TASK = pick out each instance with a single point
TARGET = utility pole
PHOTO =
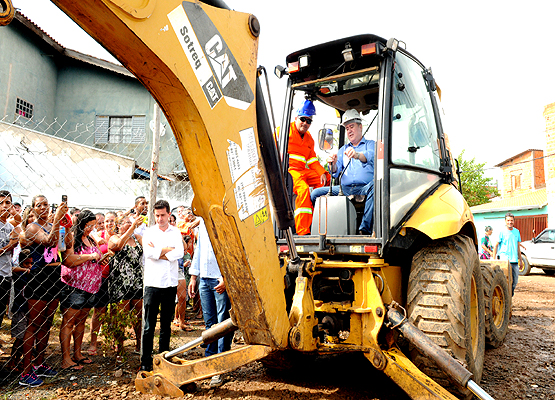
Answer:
(154, 164)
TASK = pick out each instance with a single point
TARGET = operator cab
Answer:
(397, 100)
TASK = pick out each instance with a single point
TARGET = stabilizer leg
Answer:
(167, 377)
(409, 378)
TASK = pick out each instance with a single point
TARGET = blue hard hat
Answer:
(307, 109)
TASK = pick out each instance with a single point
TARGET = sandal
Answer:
(84, 361)
(186, 328)
(74, 367)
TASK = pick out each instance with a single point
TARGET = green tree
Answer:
(476, 188)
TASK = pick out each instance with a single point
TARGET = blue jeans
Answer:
(514, 267)
(5, 287)
(155, 299)
(368, 190)
(215, 309)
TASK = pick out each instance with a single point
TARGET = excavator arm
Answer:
(199, 62)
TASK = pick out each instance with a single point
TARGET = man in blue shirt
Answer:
(213, 295)
(356, 158)
(508, 245)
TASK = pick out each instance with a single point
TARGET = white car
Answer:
(539, 252)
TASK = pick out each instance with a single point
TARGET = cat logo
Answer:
(221, 64)
(213, 63)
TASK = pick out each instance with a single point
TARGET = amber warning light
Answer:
(367, 49)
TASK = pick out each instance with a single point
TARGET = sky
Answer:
(493, 60)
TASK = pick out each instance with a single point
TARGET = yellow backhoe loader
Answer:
(410, 295)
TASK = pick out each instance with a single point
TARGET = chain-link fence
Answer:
(96, 167)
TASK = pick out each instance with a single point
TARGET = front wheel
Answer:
(548, 271)
(446, 301)
(524, 267)
(497, 301)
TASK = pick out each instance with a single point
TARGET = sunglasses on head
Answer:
(306, 119)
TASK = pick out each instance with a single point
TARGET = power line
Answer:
(518, 163)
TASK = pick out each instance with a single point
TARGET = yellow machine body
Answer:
(200, 64)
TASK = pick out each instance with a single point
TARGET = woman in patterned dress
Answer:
(126, 271)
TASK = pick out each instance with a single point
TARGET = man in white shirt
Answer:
(162, 247)
(213, 295)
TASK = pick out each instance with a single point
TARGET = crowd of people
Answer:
(76, 261)
(79, 261)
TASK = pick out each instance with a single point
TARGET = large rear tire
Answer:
(446, 301)
(524, 267)
(497, 304)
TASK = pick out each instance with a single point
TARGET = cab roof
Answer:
(325, 58)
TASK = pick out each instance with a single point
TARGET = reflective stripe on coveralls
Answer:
(303, 210)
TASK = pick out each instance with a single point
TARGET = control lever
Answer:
(341, 176)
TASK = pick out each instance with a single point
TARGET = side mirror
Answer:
(325, 139)
(420, 135)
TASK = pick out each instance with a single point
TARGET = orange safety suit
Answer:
(305, 171)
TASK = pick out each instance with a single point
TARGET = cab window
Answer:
(414, 133)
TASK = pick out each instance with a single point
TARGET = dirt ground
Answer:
(522, 368)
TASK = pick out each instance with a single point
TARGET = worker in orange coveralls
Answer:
(304, 167)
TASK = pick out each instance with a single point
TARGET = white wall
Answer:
(35, 163)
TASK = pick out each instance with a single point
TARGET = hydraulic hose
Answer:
(268, 150)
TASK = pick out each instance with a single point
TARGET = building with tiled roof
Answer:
(534, 200)
(522, 173)
(74, 124)
(59, 91)
(524, 194)
(530, 211)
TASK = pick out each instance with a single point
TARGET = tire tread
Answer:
(434, 297)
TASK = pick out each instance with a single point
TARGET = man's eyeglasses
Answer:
(306, 119)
